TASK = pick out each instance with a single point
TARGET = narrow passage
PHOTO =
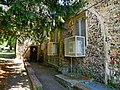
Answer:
(46, 75)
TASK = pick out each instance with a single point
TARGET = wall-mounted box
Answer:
(75, 46)
(52, 49)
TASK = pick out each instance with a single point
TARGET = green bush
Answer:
(113, 85)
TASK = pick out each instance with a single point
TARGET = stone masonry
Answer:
(102, 57)
(103, 34)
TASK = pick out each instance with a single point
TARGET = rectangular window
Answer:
(80, 28)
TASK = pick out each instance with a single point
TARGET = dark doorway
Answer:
(33, 53)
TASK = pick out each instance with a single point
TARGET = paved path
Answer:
(17, 78)
(46, 75)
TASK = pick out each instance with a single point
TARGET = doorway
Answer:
(33, 53)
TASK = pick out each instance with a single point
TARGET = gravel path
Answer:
(46, 75)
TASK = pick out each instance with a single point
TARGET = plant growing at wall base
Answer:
(79, 70)
(89, 75)
(38, 88)
(113, 85)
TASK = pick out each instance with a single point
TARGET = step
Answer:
(36, 84)
(80, 87)
(67, 81)
(76, 84)
(95, 86)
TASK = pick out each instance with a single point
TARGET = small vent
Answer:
(75, 46)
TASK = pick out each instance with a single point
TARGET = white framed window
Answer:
(80, 28)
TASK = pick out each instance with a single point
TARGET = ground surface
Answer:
(46, 75)
(13, 75)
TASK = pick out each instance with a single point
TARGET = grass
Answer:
(6, 54)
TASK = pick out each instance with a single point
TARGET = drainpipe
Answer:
(106, 48)
(106, 63)
(60, 50)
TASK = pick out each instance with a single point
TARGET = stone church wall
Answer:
(103, 35)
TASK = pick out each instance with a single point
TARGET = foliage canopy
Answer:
(32, 18)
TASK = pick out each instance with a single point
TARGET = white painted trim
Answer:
(79, 21)
(80, 30)
(86, 29)
(106, 46)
